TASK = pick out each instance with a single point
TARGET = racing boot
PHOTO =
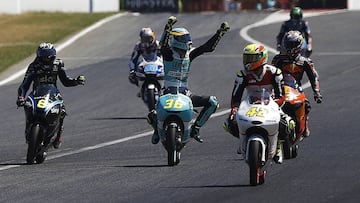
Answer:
(231, 128)
(210, 108)
(306, 132)
(278, 158)
(242, 147)
(152, 120)
(57, 142)
(195, 133)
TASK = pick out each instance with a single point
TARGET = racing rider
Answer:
(292, 62)
(296, 22)
(145, 47)
(44, 70)
(255, 76)
(178, 53)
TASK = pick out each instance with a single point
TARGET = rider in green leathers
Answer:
(178, 53)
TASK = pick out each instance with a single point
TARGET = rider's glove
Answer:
(309, 47)
(20, 101)
(224, 27)
(308, 52)
(171, 21)
(80, 80)
(132, 77)
(233, 113)
(317, 97)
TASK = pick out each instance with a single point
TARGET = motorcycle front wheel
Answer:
(171, 145)
(254, 155)
(151, 99)
(33, 144)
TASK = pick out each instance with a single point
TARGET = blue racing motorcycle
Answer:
(174, 113)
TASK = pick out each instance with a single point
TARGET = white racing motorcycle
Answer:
(150, 74)
(258, 120)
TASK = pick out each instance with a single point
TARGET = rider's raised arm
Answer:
(65, 79)
(211, 44)
(164, 40)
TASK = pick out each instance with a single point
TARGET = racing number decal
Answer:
(256, 111)
(171, 103)
(42, 104)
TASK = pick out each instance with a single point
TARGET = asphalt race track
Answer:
(107, 155)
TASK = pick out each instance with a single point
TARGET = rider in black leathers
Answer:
(44, 70)
(296, 22)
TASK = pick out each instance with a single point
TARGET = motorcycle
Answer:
(258, 120)
(291, 131)
(174, 113)
(43, 111)
(150, 74)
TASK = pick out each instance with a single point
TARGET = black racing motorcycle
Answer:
(43, 109)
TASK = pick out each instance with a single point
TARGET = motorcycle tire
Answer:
(151, 99)
(177, 158)
(171, 145)
(40, 158)
(254, 156)
(33, 144)
(288, 146)
(294, 151)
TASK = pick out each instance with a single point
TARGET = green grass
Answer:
(21, 34)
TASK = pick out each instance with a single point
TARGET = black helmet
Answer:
(296, 13)
(293, 43)
(46, 53)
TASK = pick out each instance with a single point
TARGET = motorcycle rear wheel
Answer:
(288, 146)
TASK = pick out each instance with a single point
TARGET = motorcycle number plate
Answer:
(42, 104)
(151, 68)
(256, 112)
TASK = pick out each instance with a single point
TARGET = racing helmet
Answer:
(296, 13)
(293, 43)
(46, 53)
(180, 38)
(147, 36)
(254, 56)
(147, 39)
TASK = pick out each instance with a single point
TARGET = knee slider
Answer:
(213, 102)
(62, 113)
